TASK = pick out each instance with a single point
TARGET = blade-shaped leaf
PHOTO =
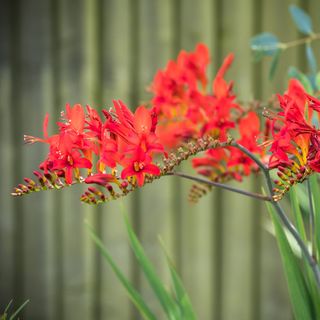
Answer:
(16, 313)
(186, 308)
(274, 63)
(301, 19)
(167, 302)
(133, 294)
(318, 81)
(316, 200)
(297, 214)
(265, 43)
(312, 62)
(299, 296)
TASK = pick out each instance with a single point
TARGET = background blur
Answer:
(93, 51)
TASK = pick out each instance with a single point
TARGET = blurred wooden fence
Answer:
(93, 51)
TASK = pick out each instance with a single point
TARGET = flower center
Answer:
(138, 166)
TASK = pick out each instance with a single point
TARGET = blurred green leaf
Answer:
(295, 73)
(301, 19)
(316, 200)
(297, 214)
(299, 296)
(133, 294)
(265, 44)
(165, 299)
(312, 62)
(274, 64)
(16, 313)
(185, 305)
(318, 81)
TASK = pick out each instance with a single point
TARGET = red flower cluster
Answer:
(295, 140)
(186, 111)
(123, 138)
(128, 142)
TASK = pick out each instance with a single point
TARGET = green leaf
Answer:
(297, 214)
(167, 302)
(184, 302)
(15, 314)
(318, 81)
(301, 19)
(133, 294)
(312, 62)
(274, 64)
(266, 44)
(299, 296)
(295, 73)
(6, 310)
(316, 200)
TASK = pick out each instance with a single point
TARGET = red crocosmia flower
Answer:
(101, 178)
(195, 64)
(135, 130)
(71, 162)
(30, 139)
(94, 123)
(138, 166)
(109, 153)
(74, 119)
(295, 139)
(220, 87)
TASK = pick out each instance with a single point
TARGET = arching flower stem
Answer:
(222, 186)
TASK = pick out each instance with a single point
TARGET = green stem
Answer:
(285, 220)
(298, 42)
(222, 186)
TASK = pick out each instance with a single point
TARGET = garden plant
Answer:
(190, 119)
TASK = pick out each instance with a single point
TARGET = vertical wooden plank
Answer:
(6, 161)
(55, 269)
(274, 292)
(258, 207)
(35, 94)
(196, 220)
(156, 214)
(76, 281)
(236, 276)
(114, 302)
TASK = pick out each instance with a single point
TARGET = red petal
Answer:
(152, 169)
(142, 120)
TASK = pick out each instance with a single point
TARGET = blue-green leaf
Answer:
(265, 44)
(301, 19)
(274, 63)
(312, 62)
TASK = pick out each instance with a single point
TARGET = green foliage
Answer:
(274, 64)
(311, 59)
(316, 200)
(301, 19)
(264, 44)
(299, 295)
(14, 315)
(176, 304)
(303, 290)
(267, 44)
